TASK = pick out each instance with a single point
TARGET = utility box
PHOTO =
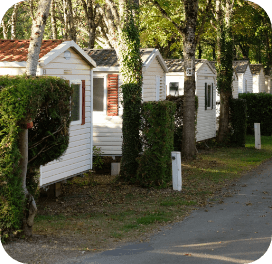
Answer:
(115, 168)
(257, 132)
(176, 170)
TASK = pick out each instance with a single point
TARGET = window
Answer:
(98, 94)
(246, 86)
(76, 108)
(174, 88)
(208, 96)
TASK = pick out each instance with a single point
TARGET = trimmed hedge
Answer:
(259, 110)
(178, 115)
(238, 121)
(157, 128)
(47, 101)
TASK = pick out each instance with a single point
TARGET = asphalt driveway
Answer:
(235, 229)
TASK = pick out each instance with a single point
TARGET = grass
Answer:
(109, 211)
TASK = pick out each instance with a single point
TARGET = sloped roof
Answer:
(234, 65)
(108, 57)
(256, 68)
(13, 53)
(240, 65)
(177, 65)
(17, 50)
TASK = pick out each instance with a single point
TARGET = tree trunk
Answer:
(37, 31)
(31, 69)
(189, 47)
(72, 29)
(5, 30)
(224, 65)
(13, 21)
(53, 20)
(65, 17)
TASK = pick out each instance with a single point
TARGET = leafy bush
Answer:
(238, 121)
(157, 128)
(178, 130)
(259, 110)
(47, 101)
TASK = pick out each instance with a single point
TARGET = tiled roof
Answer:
(239, 66)
(108, 57)
(177, 65)
(17, 50)
(255, 68)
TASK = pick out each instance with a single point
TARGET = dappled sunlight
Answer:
(190, 250)
(207, 256)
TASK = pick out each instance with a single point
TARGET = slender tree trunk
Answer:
(37, 31)
(5, 30)
(224, 64)
(72, 29)
(189, 47)
(13, 20)
(53, 20)
(65, 17)
(31, 69)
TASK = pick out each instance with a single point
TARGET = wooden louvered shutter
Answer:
(112, 98)
(212, 97)
(83, 102)
(206, 90)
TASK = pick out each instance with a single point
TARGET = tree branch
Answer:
(165, 15)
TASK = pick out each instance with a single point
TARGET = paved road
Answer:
(237, 230)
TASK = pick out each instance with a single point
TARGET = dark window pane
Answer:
(174, 86)
(75, 114)
(209, 95)
(98, 94)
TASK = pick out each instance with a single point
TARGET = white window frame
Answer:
(209, 84)
(103, 76)
(77, 81)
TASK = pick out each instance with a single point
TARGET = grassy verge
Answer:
(97, 211)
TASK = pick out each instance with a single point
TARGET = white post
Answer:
(257, 132)
(176, 170)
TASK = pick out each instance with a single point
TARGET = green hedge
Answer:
(178, 100)
(157, 133)
(47, 101)
(259, 110)
(238, 121)
(131, 145)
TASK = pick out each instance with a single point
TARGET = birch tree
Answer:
(31, 68)
(53, 20)
(14, 21)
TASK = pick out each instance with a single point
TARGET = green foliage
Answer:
(157, 129)
(131, 69)
(238, 121)
(97, 158)
(178, 100)
(259, 110)
(131, 145)
(47, 101)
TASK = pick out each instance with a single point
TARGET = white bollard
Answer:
(176, 170)
(257, 132)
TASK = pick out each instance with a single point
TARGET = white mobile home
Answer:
(107, 107)
(258, 77)
(245, 78)
(205, 90)
(67, 60)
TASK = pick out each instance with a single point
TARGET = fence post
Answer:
(176, 170)
(257, 132)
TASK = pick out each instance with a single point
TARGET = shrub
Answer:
(157, 128)
(259, 110)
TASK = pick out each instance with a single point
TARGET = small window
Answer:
(76, 102)
(174, 88)
(98, 94)
(208, 96)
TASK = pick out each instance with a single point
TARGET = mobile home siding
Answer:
(77, 157)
